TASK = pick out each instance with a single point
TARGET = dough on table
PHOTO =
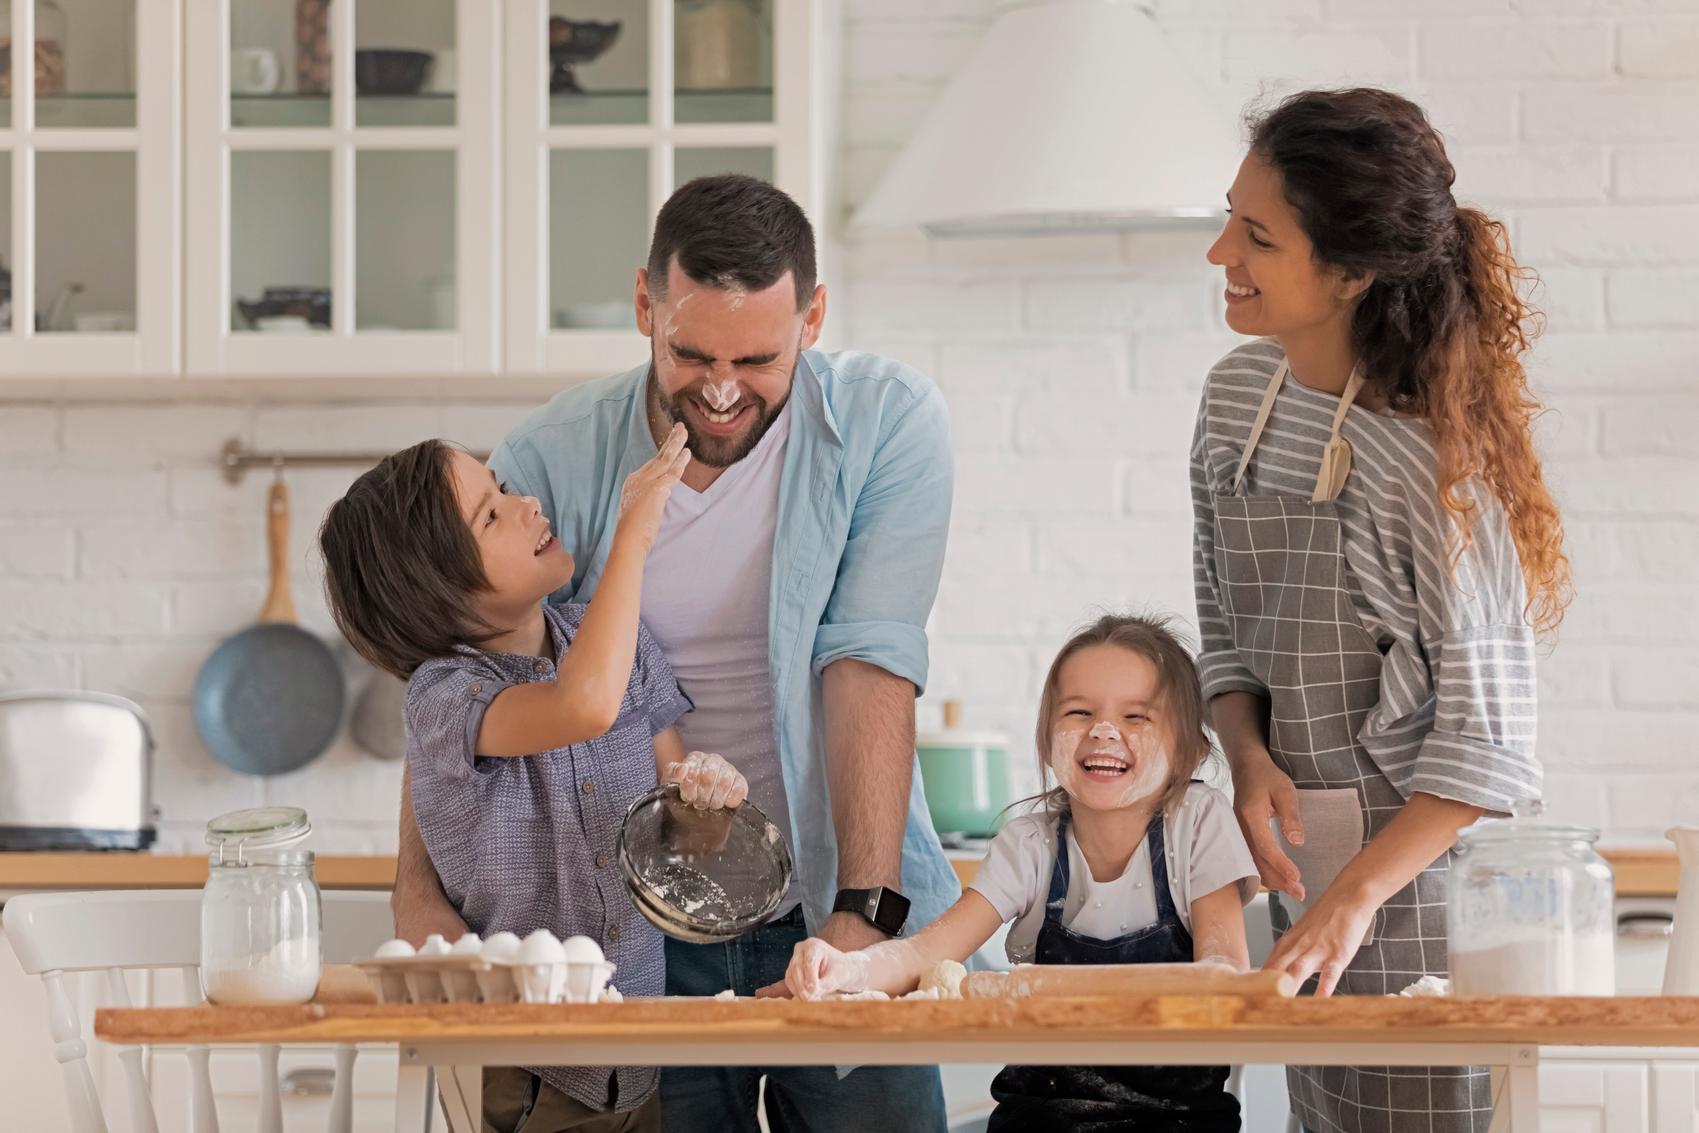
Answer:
(943, 980)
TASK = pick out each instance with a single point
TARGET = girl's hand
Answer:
(1324, 940)
(643, 500)
(817, 970)
(1262, 791)
(708, 782)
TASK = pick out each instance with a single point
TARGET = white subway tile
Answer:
(1633, 614)
(1576, 677)
(1572, 299)
(216, 608)
(62, 610)
(1494, 177)
(42, 549)
(1083, 365)
(982, 423)
(197, 431)
(377, 428)
(1620, 363)
(1518, 50)
(162, 669)
(1655, 172)
(1586, 112)
(928, 309)
(1144, 423)
(1630, 740)
(1627, 486)
(1036, 487)
(1321, 55)
(38, 665)
(1619, 234)
(1092, 305)
(53, 489)
(1659, 679)
(1653, 297)
(1576, 798)
(27, 430)
(1658, 49)
(1665, 426)
(887, 114)
(908, 51)
(171, 549)
(345, 784)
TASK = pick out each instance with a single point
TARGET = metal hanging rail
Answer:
(236, 459)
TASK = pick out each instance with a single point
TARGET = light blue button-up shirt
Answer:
(864, 509)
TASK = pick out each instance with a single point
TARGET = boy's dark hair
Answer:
(401, 566)
(733, 231)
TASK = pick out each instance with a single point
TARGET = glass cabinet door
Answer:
(88, 154)
(612, 104)
(352, 147)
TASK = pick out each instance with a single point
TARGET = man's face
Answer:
(723, 357)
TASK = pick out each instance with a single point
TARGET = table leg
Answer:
(463, 1097)
(413, 1101)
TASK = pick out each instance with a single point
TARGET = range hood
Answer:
(1072, 116)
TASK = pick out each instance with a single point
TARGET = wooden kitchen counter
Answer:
(713, 1024)
(23, 873)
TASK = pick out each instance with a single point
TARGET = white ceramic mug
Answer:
(254, 70)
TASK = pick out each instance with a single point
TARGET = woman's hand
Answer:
(643, 499)
(708, 781)
(817, 970)
(1325, 939)
(1262, 791)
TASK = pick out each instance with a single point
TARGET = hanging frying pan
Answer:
(269, 699)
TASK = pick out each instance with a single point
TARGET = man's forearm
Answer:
(418, 903)
(869, 728)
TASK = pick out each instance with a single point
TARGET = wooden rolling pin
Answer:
(1125, 980)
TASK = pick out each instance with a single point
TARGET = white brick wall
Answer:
(1072, 367)
(1576, 121)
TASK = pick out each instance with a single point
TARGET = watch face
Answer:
(892, 910)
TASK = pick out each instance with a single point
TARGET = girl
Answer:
(1125, 861)
(1375, 549)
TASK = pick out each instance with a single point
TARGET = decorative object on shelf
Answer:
(614, 315)
(58, 316)
(5, 296)
(1681, 969)
(51, 35)
(312, 46)
(254, 70)
(309, 303)
(391, 70)
(572, 42)
(444, 72)
(721, 44)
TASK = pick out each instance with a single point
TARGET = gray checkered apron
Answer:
(1283, 591)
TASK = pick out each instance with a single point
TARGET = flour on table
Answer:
(1428, 987)
(726, 996)
(865, 995)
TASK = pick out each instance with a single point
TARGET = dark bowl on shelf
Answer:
(388, 70)
(572, 42)
(310, 303)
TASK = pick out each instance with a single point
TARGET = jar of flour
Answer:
(1530, 910)
(260, 909)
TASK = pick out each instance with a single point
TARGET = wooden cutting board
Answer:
(1071, 981)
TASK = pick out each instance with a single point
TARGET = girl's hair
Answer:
(1179, 691)
(1440, 331)
(401, 566)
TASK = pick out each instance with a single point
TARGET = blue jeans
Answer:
(800, 1099)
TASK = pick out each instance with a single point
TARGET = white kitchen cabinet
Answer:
(378, 210)
(688, 88)
(90, 148)
(1586, 1090)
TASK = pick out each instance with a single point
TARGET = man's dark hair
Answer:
(401, 566)
(733, 231)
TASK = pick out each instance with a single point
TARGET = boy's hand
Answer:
(708, 782)
(643, 500)
(817, 970)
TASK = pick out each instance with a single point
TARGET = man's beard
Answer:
(715, 452)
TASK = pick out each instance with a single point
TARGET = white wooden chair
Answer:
(55, 934)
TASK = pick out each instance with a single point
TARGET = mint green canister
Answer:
(966, 776)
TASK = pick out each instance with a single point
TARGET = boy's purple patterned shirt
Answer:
(529, 842)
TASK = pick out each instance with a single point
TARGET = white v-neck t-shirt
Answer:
(1203, 847)
(705, 600)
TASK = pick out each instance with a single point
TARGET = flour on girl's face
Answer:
(1147, 761)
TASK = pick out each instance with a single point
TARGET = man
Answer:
(789, 586)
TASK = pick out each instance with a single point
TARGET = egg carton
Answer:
(473, 979)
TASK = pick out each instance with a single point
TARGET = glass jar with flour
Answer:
(260, 910)
(1530, 910)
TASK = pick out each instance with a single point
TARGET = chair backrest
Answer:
(56, 933)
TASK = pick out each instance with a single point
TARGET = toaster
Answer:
(74, 772)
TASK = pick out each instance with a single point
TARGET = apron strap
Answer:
(1336, 454)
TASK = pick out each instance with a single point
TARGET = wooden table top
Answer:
(1648, 1022)
(1639, 873)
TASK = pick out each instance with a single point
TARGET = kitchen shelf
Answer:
(597, 108)
(24, 872)
(691, 107)
(271, 111)
(113, 110)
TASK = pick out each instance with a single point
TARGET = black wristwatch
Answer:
(884, 908)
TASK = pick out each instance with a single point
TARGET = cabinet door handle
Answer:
(1645, 926)
(310, 1082)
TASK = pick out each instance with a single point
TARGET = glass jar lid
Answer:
(1525, 824)
(241, 832)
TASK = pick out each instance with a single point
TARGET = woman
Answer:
(1376, 551)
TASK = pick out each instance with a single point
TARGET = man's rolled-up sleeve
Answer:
(888, 574)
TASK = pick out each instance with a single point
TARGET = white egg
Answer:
(582, 950)
(390, 949)
(468, 945)
(434, 945)
(541, 947)
(501, 948)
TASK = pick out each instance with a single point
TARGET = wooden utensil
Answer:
(1063, 980)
